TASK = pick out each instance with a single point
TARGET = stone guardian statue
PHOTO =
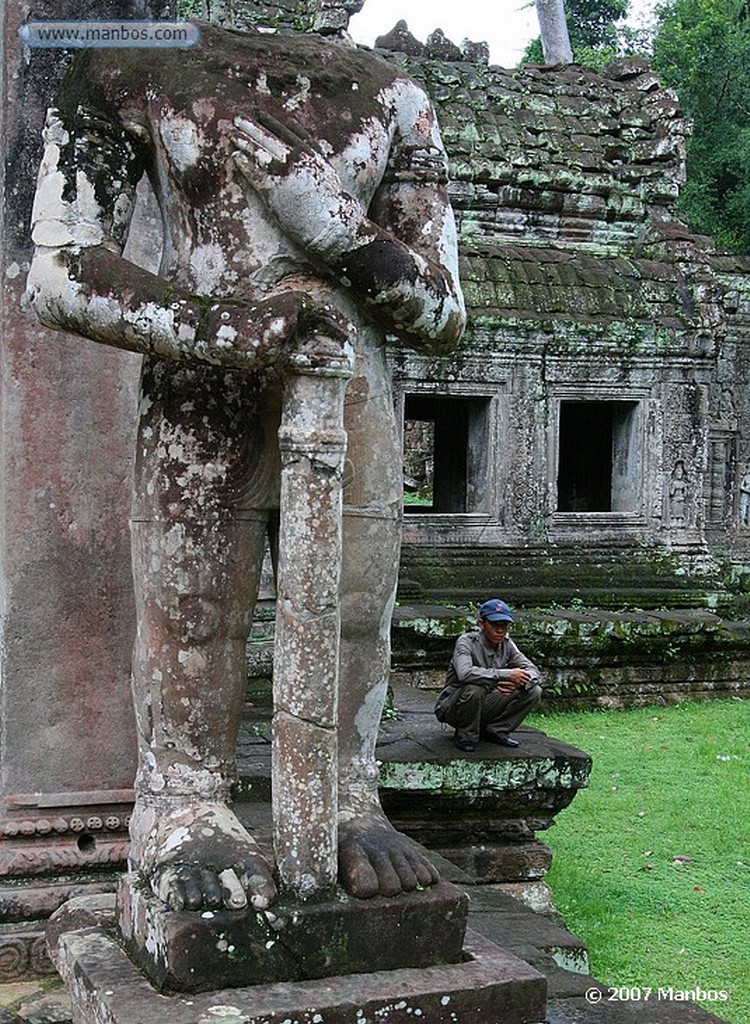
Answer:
(302, 187)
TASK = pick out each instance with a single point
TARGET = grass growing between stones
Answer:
(652, 863)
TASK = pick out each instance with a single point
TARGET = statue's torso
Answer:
(219, 238)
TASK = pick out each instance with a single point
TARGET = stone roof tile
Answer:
(541, 282)
(609, 146)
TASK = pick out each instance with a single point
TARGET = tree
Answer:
(701, 50)
(554, 31)
(594, 30)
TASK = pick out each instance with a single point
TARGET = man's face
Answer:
(301, 15)
(494, 632)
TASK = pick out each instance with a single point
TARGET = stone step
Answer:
(506, 921)
(481, 809)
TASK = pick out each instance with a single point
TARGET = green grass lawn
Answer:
(652, 862)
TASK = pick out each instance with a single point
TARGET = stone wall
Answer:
(67, 427)
(593, 658)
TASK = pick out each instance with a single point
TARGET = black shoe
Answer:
(507, 741)
(467, 746)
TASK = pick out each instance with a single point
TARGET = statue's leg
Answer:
(197, 553)
(373, 857)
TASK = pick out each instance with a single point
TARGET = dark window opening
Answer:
(599, 466)
(445, 454)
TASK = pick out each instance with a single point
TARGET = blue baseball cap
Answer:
(495, 610)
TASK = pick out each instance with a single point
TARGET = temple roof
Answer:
(564, 182)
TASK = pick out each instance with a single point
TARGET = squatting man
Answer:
(302, 187)
(491, 685)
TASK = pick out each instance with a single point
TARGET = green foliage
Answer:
(701, 50)
(191, 9)
(651, 865)
(592, 24)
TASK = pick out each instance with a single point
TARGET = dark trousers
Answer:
(474, 710)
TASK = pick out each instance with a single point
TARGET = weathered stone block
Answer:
(490, 985)
(501, 862)
(188, 951)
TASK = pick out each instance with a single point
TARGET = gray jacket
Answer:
(476, 661)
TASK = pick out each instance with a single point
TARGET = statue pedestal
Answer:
(187, 951)
(487, 985)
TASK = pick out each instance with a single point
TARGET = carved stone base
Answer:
(192, 952)
(25, 905)
(489, 985)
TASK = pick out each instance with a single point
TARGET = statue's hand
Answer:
(253, 335)
(299, 186)
(273, 331)
(269, 150)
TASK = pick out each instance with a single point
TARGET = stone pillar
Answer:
(67, 427)
(312, 441)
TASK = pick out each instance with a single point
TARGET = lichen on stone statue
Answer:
(302, 188)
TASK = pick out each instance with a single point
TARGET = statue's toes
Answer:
(427, 874)
(257, 882)
(389, 882)
(233, 893)
(404, 871)
(191, 887)
(213, 896)
(186, 887)
(412, 870)
(382, 863)
(357, 873)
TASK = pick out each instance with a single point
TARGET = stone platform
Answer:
(538, 939)
(290, 942)
(593, 657)
(482, 810)
(491, 835)
(490, 985)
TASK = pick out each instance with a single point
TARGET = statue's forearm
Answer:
(102, 296)
(412, 297)
(413, 293)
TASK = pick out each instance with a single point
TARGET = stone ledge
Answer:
(490, 985)
(189, 952)
(592, 657)
(525, 934)
(489, 804)
(579, 1010)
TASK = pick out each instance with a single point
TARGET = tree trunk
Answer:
(554, 30)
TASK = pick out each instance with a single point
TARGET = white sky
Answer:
(507, 25)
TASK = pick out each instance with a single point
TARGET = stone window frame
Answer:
(495, 394)
(643, 398)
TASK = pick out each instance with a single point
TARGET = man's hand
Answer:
(519, 677)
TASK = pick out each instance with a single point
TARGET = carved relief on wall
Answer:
(678, 494)
(720, 479)
(45, 833)
(24, 956)
(744, 502)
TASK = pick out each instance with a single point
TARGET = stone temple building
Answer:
(590, 438)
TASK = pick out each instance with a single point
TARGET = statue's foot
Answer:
(376, 860)
(198, 856)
